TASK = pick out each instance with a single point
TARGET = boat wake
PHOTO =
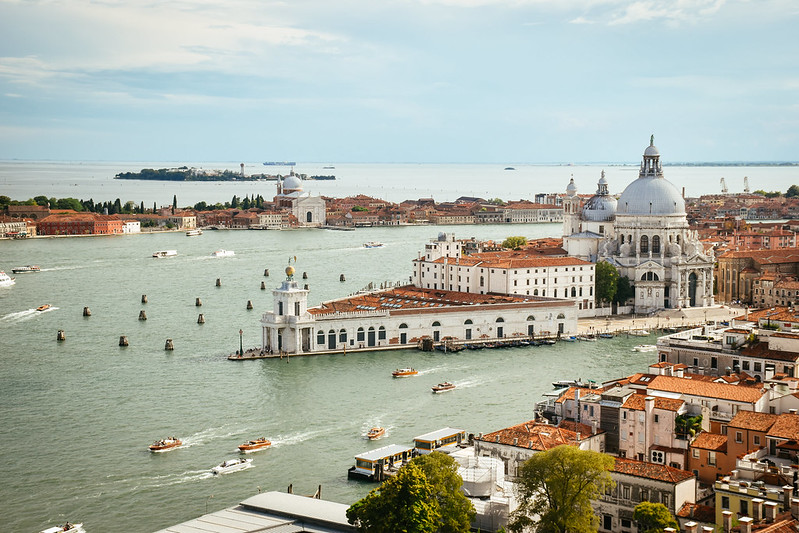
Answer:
(467, 384)
(210, 434)
(430, 370)
(151, 482)
(21, 316)
(295, 438)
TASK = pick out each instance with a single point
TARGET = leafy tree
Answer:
(607, 281)
(685, 425)
(40, 200)
(245, 204)
(514, 242)
(155, 209)
(117, 206)
(68, 203)
(624, 290)
(234, 203)
(793, 191)
(404, 503)
(5, 201)
(557, 486)
(359, 208)
(201, 206)
(141, 207)
(653, 517)
(496, 201)
(174, 203)
(441, 472)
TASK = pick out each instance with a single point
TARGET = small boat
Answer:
(509, 168)
(6, 280)
(44, 307)
(373, 244)
(563, 383)
(375, 433)
(570, 338)
(164, 445)
(66, 528)
(255, 445)
(547, 342)
(586, 338)
(639, 332)
(443, 387)
(404, 372)
(194, 232)
(232, 465)
(606, 335)
(27, 269)
(223, 253)
(645, 348)
(165, 253)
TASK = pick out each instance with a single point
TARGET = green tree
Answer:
(234, 203)
(359, 208)
(441, 472)
(155, 209)
(607, 281)
(653, 517)
(40, 200)
(624, 291)
(174, 203)
(514, 242)
(792, 191)
(201, 206)
(404, 503)
(557, 486)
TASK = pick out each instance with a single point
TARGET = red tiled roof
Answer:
(752, 420)
(786, 427)
(706, 389)
(638, 402)
(710, 441)
(534, 436)
(761, 349)
(651, 471)
(698, 512)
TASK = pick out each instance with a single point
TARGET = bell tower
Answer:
(571, 210)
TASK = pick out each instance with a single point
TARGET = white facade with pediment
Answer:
(644, 233)
(309, 210)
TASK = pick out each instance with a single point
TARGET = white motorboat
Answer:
(6, 280)
(165, 253)
(27, 269)
(232, 465)
(373, 244)
(645, 348)
(223, 253)
(66, 528)
(194, 232)
(639, 332)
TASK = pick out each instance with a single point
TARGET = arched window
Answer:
(403, 326)
(622, 238)
(381, 333)
(574, 292)
(656, 244)
(644, 244)
(436, 324)
(482, 281)
(308, 217)
(561, 315)
(500, 319)
(361, 336)
(320, 337)
(531, 318)
(535, 292)
(468, 321)
(342, 335)
(555, 295)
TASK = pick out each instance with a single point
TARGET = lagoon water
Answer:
(78, 415)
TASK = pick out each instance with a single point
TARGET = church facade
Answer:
(308, 210)
(645, 235)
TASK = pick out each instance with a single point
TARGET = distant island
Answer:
(195, 174)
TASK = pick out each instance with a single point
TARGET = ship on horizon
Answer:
(280, 163)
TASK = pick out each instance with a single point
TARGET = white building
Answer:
(645, 235)
(444, 266)
(131, 226)
(309, 210)
(402, 316)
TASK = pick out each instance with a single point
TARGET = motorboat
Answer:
(579, 382)
(586, 338)
(163, 445)
(375, 433)
(194, 232)
(373, 244)
(569, 338)
(232, 465)
(27, 269)
(547, 342)
(404, 372)
(223, 253)
(255, 445)
(645, 348)
(639, 332)
(6, 280)
(44, 307)
(165, 253)
(66, 528)
(443, 387)
(606, 335)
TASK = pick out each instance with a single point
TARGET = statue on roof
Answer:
(652, 140)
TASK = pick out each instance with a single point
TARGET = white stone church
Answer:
(645, 235)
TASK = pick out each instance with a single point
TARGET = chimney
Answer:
(769, 373)
(771, 511)
(746, 524)
(593, 427)
(787, 496)
(708, 529)
(726, 520)
(757, 509)
(792, 411)
(679, 372)
(795, 508)
(579, 437)
(690, 527)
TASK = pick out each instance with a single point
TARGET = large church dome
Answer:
(651, 193)
(292, 183)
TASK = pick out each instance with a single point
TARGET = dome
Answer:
(292, 183)
(651, 196)
(600, 208)
(651, 150)
(571, 188)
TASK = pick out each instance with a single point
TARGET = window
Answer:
(738, 437)
(626, 492)
(624, 415)
(320, 337)
(744, 508)
(361, 336)
(756, 440)
(711, 458)
(381, 333)
(695, 453)
(625, 523)
(644, 244)
(656, 244)
(725, 502)
(342, 335)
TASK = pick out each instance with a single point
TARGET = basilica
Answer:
(644, 234)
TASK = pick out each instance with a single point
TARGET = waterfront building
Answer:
(74, 223)
(444, 265)
(526, 212)
(308, 210)
(16, 227)
(401, 317)
(645, 235)
(183, 220)
(131, 226)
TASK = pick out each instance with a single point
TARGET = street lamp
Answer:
(206, 503)
(241, 343)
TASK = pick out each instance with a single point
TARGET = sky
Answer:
(450, 81)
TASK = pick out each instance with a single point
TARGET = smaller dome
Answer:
(600, 208)
(651, 150)
(571, 188)
(292, 183)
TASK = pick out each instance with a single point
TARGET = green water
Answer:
(78, 415)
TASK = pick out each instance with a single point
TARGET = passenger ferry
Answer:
(27, 269)
(377, 464)
(444, 440)
(645, 348)
(443, 387)
(223, 253)
(164, 445)
(165, 253)
(375, 433)
(194, 232)
(6, 280)
(404, 372)
(255, 445)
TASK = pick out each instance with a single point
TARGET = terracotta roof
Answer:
(710, 441)
(569, 394)
(786, 427)
(761, 349)
(698, 512)
(533, 436)
(577, 427)
(651, 471)
(706, 389)
(752, 420)
(638, 403)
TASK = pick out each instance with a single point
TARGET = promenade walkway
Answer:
(667, 318)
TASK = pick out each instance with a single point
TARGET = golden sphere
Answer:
(290, 270)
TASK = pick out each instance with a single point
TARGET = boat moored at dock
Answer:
(255, 445)
(165, 253)
(377, 464)
(639, 332)
(444, 440)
